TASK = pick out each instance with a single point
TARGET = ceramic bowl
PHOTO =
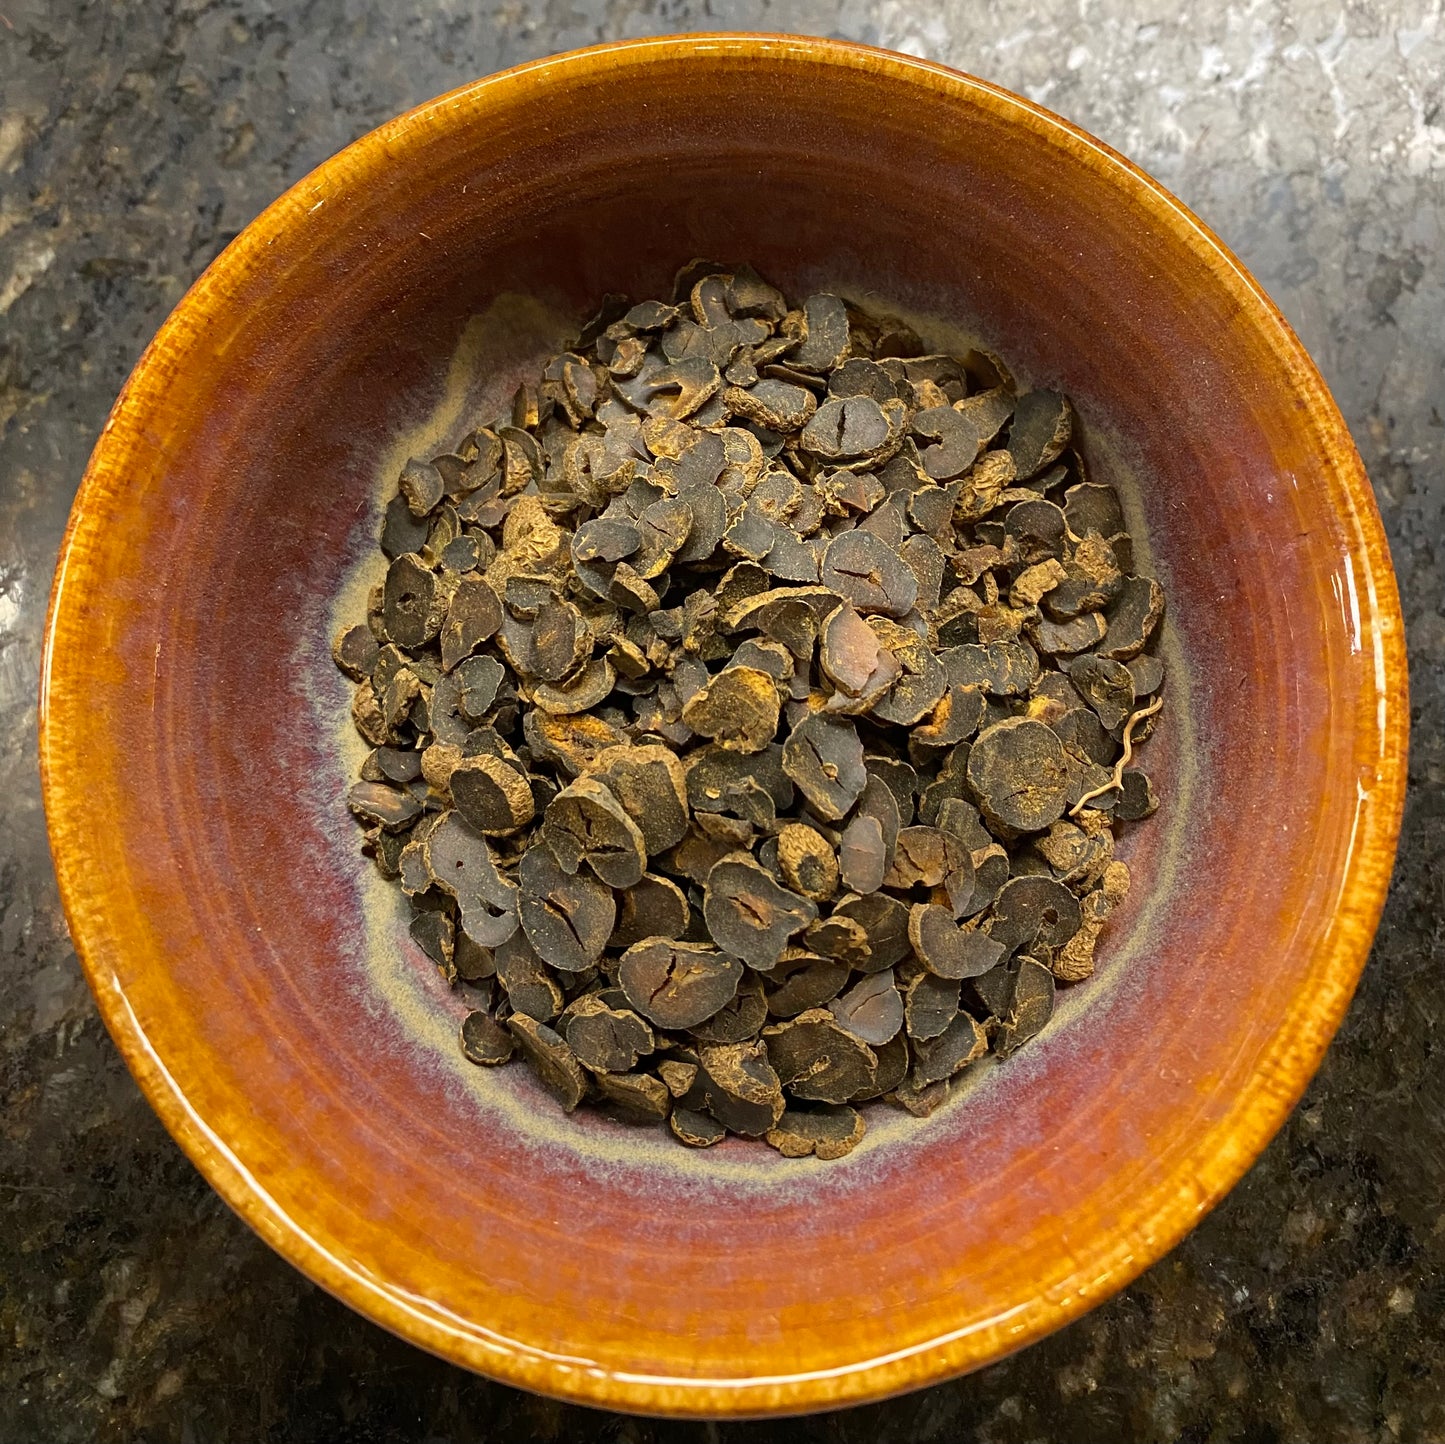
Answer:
(257, 975)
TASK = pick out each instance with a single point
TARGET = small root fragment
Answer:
(1117, 780)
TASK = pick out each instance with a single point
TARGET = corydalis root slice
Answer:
(749, 914)
(551, 1059)
(738, 709)
(828, 1134)
(824, 758)
(677, 985)
(818, 1059)
(567, 919)
(947, 950)
(585, 823)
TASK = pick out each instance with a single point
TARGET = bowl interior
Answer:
(197, 745)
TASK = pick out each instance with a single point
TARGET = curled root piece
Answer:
(1117, 780)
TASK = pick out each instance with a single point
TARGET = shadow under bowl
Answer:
(257, 976)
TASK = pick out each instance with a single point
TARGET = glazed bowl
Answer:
(258, 977)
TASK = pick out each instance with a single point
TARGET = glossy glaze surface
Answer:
(210, 877)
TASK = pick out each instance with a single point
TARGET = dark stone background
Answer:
(137, 139)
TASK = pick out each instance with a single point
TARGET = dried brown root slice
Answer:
(930, 1004)
(695, 1129)
(552, 1060)
(435, 934)
(839, 937)
(740, 1087)
(422, 486)
(529, 987)
(665, 526)
(849, 428)
(605, 1039)
(775, 404)
(493, 796)
(678, 1076)
(354, 651)
(474, 961)
(749, 914)
(654, 907)
(459, 862)
(1075, 960)
(1034, 582)
(583, 692)
(828, 1134)
(893, 1064)
(872, 1009)
(1073, 855)
(677, 985)
(605, 539)
(721, 781)
(802, 980)
(947, 950)
(955, 443)
(825, 334)
(818, 1059)
(1033, 1006)
(486, 1041)
(1107, 686)
(738, 709)
(560, 640)
(863, 569)
(1037, 914)
(474, 613)
(848, 651)
(567, 919)
(1018, 774)
(1043, 422)
(585, 823)
(738, 1019)
(1092, 579)
(415, 604)
(1132, 618)
(790, 615)
(572, 743)
(392, 764)
(921, 683)
(884, 921)
(957, 715)
(922, 1100)
(1136, 797)
(863, 854)
(649, 782)
(854, 659)
(824, 758)
(367, 715)
(1078, 634)
(1002, 669)
(633, 1097)
(1147, 672)
(919, 859)
(808, 863)
(390, 808)
(964, 1041)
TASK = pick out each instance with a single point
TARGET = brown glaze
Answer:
(195, 795)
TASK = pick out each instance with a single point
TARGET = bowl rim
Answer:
(1169, 1212)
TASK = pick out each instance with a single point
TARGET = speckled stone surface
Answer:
(136, 140)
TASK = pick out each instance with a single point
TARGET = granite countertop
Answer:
(135, 141)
